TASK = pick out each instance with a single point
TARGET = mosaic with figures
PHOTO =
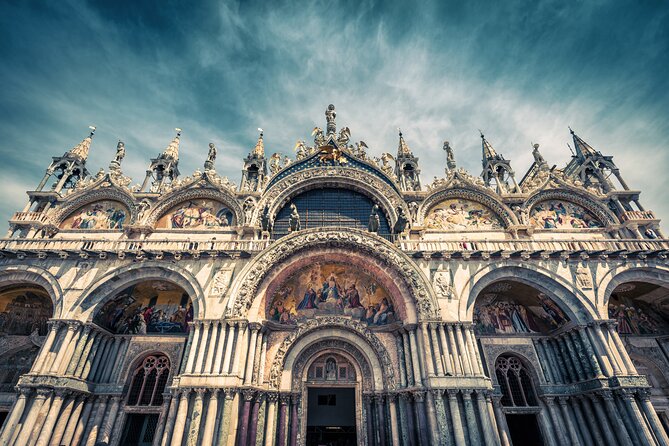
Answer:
(509, 307)
(331, 289)
(148, 307)
(98, 215)
(24, 311)
(458, 214)
(639, 309)
(556, 214)
(197, 214)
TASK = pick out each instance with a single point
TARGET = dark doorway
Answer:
(331, 417)
(524, 429)
(139, 429)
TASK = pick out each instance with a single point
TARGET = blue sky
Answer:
(521, 71)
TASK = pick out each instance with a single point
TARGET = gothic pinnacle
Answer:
(81, 150)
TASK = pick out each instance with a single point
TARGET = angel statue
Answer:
(294, 219)
(274, 163)
(374, 221)
(360, 149)
(211, 157)
(301, 150)
(266, 220)
(538, 158)
(450, 157)
(387, 168)
(319, 138)
(120, 154)
(344, 136)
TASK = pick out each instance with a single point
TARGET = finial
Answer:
(330, 117)
(570, 130)
(399, 130)
(482, 135)
(92, 127)
(261, 131)
(178, 130)
(259, 149)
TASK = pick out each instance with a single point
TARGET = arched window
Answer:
(515, 382)
(148, 381)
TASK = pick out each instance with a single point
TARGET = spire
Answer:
(583, 149)
(402, 147)
(172, 150)
(488, 151)
(81, 150)
(259, 149)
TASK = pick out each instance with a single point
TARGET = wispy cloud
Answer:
(520, 72)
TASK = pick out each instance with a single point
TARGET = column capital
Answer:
(242, 324)
(73, 325)
(24, 391)
(410, 327)
(255, 326)
(272, 397)
(103, 398)
(644, 394)
(200, 391)
(627, 394)
(549, 400)
(43, 393)
(607, 395)
(248, 394)
(379, 397)
(229, 393)
(284, 399)
(452, 393)
(295, 398)
(391, 397)
(562, 400)
(437, 393)
(54, 324)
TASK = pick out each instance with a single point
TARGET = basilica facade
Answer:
(334, 298)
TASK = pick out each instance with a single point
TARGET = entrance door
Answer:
(331, 416)
(139, 429)
(524, 429)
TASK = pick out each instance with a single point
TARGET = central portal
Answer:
(331, 416)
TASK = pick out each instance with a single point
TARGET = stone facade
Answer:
(181, 315)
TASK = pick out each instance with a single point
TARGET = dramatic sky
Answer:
(521, 71)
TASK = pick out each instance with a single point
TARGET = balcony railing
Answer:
(28, 217)
(638, 215)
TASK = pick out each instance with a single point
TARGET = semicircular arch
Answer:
(116, 280)
(501, 210)
(571, 300)
(604, 215)
(179, 196)
(245, 290)
(658, 275)
(76, 202)
(280, 194)
(32, 275)
(343, 330)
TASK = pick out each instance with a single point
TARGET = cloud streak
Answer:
(520, 72)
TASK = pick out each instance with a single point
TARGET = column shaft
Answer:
(196, 415)
(456, 418)
(14, 417)
(192, 353)
(219, 347)
(414, 358)
(202, 348)
(210, 420)
(180, 422)
(653, 420)
(454, 351)
(250, 358)
(445, 356)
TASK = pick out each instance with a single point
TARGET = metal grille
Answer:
(330, 207)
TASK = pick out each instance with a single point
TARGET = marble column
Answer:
(220, 347)
(109, 423)
(557, 371)
(502, 426)
(210, 420)
(391, 400)
(475, 357)
(628, 419)
(243, 428)
(419, 408)
(196, 418)
(209, 364)
(497, 425)
(29, 422)
(68, 424)
(599, 350)
(112, 360)
(593, 359)
(240, 348)
(15, 416)
(581, 372)
(448, 364)
(263, 357)
(253, 428)
(125, 343)
(622, 352)
(103, 363)
(270, 426)
(653, 420)
(456, 418)
(583, 358)
(558, 427)
(202, 348)
(414, 356)
(162, 419)
(566, 416)
(294, 419)
(78, 351)
(255, 367)
(487, 428)
(284, 400)
(436, 351)
(640, 427)
(232, 331)
(463, 351)
(605, 347)
(454, 351)
(432, 419)
(194, 347)
(369, 419)
(171, 418)
(400, 359)
(224, 428)
(82, 421)
(567, 360)
(84, 364)
(602, 420)
(582, 423)
(91, 438)
(614, 417)
(97, 352)
(407, 358)
(40, 364)
(470, 416)
(51, 418)
(233, 422)
(546, 426)
(72, 327)
(543, 359)
(427, 351)
(250, 358)
(180, 422)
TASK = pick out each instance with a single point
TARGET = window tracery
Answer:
(149, 381)
(515, 382)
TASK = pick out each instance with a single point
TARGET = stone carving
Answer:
(558, 214)
(374, 221)
(402, 221)
(601, 214)
(211, 157)
(350, 238)
(442, 284)
(458, 214)
(266, 220)
(249, 207)
(221, 282)
(583, 278)
(335, 322)
(226, 197)
(99, 215)
(294, 219)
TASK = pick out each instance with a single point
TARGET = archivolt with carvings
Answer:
(604, 215)
(78, 201)
(342, 177)
(360, 241)
(350, 325)
(172, 200)
(503, 212)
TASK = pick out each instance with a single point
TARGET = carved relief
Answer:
(221, 282)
